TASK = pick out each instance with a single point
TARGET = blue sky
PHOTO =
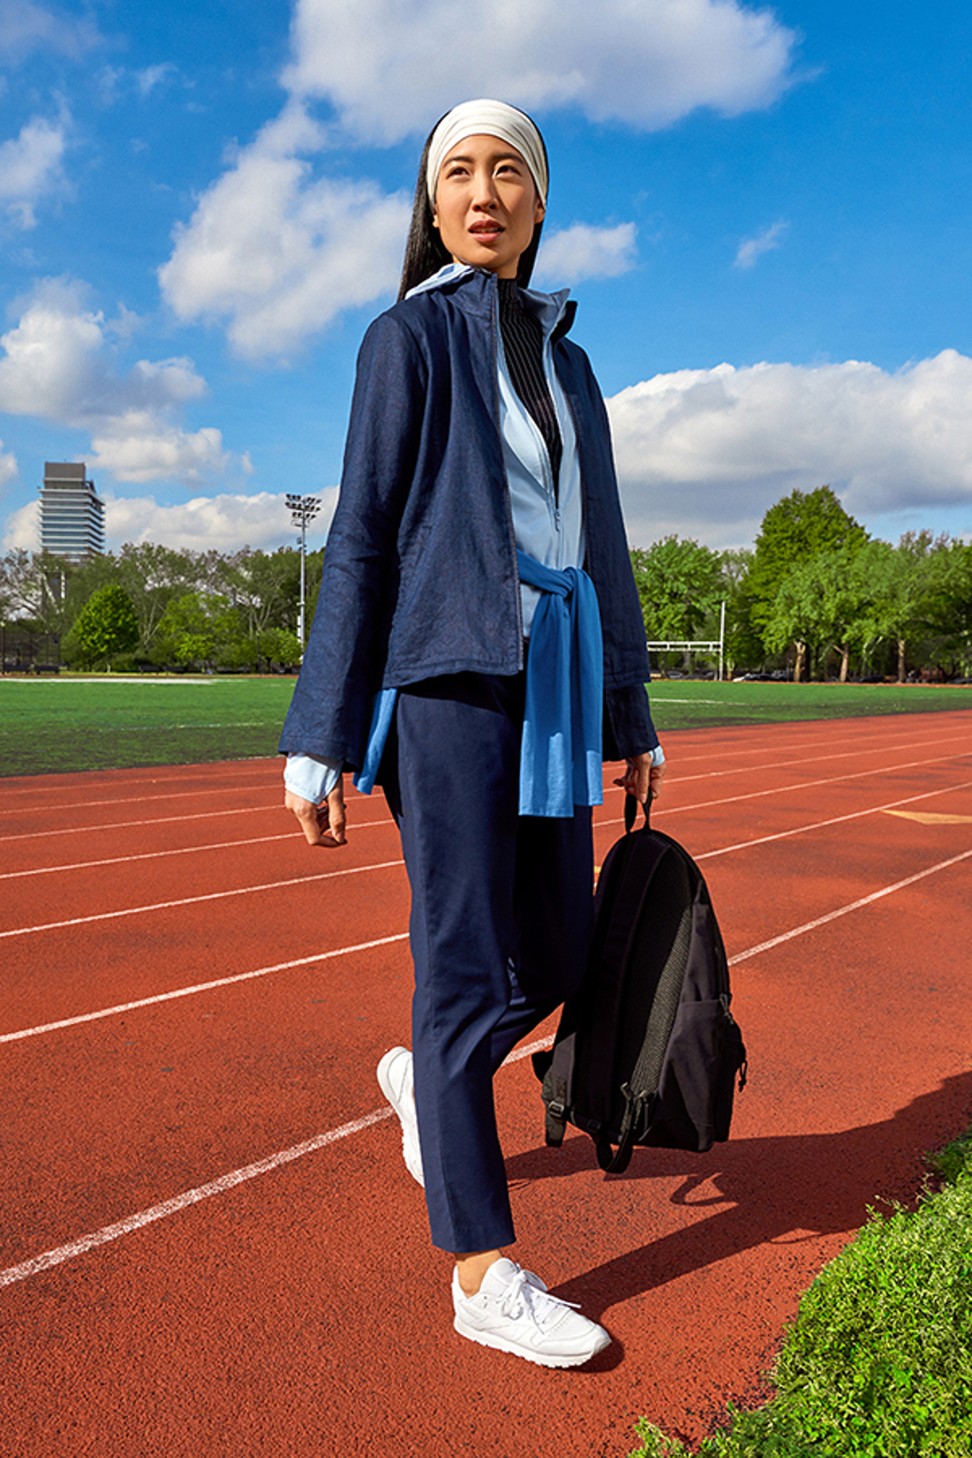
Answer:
(763, 212)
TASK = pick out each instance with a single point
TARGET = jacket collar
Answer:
(474, 290)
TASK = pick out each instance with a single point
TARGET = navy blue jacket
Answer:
(420, 574)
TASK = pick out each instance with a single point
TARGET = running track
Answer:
(210, 1245)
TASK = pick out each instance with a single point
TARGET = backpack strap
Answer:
(631, 803)
(556, 1091)
(616, 1161)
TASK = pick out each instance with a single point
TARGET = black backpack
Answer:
(647, 1051)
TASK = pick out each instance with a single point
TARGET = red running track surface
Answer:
(210, 1244)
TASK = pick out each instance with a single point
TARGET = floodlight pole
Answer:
(302, 510)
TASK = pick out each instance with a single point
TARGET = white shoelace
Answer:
(526, 1292)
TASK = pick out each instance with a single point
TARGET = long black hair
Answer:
(425, 253)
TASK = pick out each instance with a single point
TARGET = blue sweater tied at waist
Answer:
(560, 755)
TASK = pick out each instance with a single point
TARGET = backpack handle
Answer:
(631, 806)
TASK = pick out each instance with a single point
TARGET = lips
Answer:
(489, 230)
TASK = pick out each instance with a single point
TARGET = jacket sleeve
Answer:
(330, 713)
(628, 727)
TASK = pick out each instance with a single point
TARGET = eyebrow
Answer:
(494, 157)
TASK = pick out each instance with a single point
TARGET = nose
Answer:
(484, 189)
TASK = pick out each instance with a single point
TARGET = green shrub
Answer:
(878, 1363)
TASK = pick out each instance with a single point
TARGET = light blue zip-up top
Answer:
(547, 525)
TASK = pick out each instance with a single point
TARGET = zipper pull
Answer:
(557, 517)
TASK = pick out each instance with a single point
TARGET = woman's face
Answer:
(486, 204)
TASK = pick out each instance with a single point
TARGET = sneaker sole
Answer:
(541, 1359)
(414, 1168)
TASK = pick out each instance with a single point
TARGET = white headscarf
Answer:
(490, 119)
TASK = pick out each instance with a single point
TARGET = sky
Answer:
(764, 212)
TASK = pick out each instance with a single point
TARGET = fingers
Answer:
(321, 824)
(336, 815)
(641, 778)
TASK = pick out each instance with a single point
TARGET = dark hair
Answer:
(425, 253)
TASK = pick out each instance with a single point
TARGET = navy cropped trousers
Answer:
(501, 922)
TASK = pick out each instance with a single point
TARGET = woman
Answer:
(460, 656)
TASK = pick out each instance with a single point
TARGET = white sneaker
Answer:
(513, 1311)
(395, 1081)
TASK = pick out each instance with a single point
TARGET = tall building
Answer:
(72, 515)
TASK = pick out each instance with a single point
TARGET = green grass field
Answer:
(77, 723)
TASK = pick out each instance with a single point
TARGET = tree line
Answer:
(149, 607)
(814, 596)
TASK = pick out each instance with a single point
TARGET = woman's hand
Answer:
(322, 824)
(642, 778)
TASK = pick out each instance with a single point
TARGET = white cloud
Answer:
(26, 26)
(152, 76)
(60, 363)
(586, 252)
(706, 452)
(753, 248)
(136, 448)
(279, 253)
(225, 522)
(390, 69)
(30, 166)
(115, 83)
(8, 466)
(22, 529)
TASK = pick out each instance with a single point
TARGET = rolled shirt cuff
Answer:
(311, 776)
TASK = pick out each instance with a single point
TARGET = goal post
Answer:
(696, 645)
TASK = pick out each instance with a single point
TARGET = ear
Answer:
(539, 212)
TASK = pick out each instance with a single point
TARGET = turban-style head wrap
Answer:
(488, 119)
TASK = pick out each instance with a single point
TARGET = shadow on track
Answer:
(777, 1190)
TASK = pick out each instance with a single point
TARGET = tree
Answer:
(265, 586)
(279, 648)
(793, 531)
(153, 576)
(916, 592)
(820, 603)
(743, 645)
(34, 586)
(186, 633)
(680, 585)
(106, 625)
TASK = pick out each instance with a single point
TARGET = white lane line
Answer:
(123, 1007)
(131, 1223)
(786, 789)
(143, 823)
(808, 926)
(830, 755)
(835, 820)
(385, 865)
(25, 931)
(186, 850)
(56, 832)
(165, 1208)
(364, 824)
(81, 779)
(193, 791)
(107, 1012)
